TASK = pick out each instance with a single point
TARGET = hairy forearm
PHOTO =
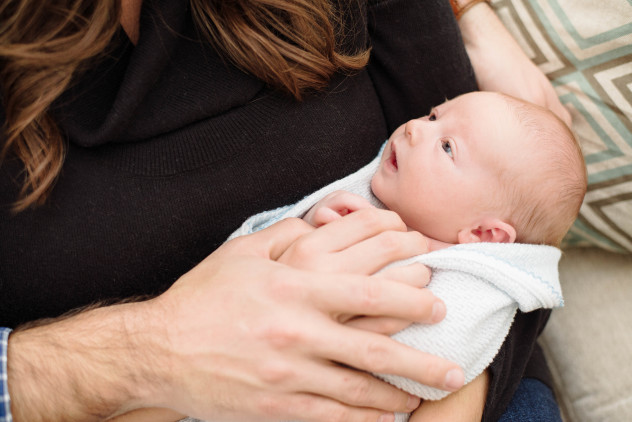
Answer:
(84, 368)
(154, 414)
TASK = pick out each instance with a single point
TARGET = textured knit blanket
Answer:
(482, 285)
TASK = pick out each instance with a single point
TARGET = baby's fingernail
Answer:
(413, 402)
(454, 379)
(438, 311)
(387, 417)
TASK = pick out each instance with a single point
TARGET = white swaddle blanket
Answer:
(482, 285)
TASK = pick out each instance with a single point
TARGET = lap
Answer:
(533, 401)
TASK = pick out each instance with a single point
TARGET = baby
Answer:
(483, 167)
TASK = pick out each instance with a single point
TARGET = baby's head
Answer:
(484, 167)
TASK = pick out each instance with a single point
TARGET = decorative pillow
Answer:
(585, 48)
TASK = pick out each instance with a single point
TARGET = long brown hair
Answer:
(42, 45)
(289, 44)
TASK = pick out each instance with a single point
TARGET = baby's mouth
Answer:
(393, 157)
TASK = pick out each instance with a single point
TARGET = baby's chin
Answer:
(377, 178)
(376, 187)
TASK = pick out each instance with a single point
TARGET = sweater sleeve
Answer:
(519, 356)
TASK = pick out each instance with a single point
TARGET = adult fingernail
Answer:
(413, 402)
(454, 379)
(438, 311)
(387, 417)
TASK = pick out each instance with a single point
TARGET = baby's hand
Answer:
(334, 206)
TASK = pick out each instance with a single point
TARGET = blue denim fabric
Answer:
(5, 403)
(533, 402)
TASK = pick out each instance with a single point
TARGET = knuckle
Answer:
(390, 242)
(359, 392)
(281, 287)
(370, 217)
(302, 248)
(375, 357)
(370, 294)
(279, 336)
(320, 215)
(275, 372)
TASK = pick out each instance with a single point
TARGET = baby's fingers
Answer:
(322, 216)
(346, 202)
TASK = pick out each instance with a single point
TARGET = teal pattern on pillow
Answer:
(585, 48)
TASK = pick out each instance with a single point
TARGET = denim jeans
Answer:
(533, 402)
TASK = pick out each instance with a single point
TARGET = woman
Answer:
(137, 138)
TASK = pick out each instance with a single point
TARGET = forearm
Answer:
(477, 22)
(478, 25)
(500, 64)
(154, 414)
(88, 367)
(465, 405)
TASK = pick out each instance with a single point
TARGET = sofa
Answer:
(588, 342)
(585, 48)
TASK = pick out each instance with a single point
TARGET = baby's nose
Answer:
(413, 131)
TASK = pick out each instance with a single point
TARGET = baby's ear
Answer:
(490, 230)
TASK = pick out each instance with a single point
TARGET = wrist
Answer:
(81, 368)
(478, 23)
(460, 7)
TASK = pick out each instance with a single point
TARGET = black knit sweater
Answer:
(170, 148)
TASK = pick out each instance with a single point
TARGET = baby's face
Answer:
(439, 172)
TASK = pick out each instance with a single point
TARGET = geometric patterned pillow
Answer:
(585, 49)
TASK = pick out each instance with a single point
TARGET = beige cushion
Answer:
(588, 342)
(585, 49)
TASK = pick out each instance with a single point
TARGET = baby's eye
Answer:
(445, 145)
(432, 117)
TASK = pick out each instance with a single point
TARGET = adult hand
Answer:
(364, 243)
(249, 338)
(239, 337)
(501, 65)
